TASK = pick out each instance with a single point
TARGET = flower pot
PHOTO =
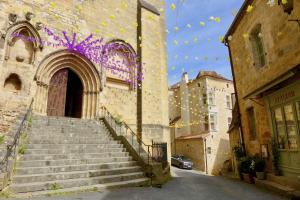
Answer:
(248, 178)
(261, 175)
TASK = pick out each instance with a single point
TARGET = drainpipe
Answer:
(205, 156)
(236, 96)
(139, 104)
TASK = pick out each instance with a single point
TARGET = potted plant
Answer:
(245, 169)
(260, 165)
(275, 157)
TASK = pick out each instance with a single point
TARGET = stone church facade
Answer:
(66, 83)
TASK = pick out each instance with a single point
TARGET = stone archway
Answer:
(82, 67)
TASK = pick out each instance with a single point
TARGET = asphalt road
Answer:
(186, 184)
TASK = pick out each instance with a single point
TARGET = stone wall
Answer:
(280, 40)
(193, 149)
(111, 20)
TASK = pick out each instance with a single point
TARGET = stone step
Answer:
(68, 168)
(50, 185)
(62, 131)
(72, 151)
(44, 163)
(73, 175)
(28, 157)
(97, 187)
(74, 141)
(73, 146)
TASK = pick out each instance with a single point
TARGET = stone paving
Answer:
(186, 184)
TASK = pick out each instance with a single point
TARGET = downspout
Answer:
(236, 97)
(139, 116)
(205, 156)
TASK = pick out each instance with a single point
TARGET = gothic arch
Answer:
(85, 70)
(128, 52)
(33, 38)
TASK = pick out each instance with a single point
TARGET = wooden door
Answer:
(57, 93)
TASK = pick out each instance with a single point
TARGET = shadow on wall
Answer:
(222, 156)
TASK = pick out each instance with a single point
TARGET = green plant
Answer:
(238, 152)
(260, 164)
(118, 119)
(275, 155)
(2, 139)
(54, 186)
(5, 193)
(30, 121)
(246, 165)
(21, 149)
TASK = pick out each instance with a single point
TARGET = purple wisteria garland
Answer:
(98, 52)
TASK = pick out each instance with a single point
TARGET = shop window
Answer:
(286, 126)
(228, 101)
(280, 129)
(298, 112)
(290, 126)
(251, 123)
(258, 47)
(13, 83)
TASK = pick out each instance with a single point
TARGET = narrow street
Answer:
(186, 184)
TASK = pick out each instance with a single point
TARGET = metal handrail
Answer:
(11, 148)
(111, 119)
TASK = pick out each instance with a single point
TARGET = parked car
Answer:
(181, 161)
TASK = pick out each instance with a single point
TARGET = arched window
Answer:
(21, 47)
(22, 42)
(258, 46)
(13, 83)
(120, 65)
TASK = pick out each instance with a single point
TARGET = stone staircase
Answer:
(68, 154)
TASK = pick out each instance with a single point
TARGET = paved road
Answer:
(190, 185)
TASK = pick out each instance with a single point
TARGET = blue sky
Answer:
(206, 52)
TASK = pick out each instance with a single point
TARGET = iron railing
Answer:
(11, 149)
(122, 129)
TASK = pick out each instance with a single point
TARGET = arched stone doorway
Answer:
(79, 69)
(65, 94)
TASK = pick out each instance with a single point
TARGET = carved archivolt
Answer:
(24, 49)
(124, 58)
(85, 70)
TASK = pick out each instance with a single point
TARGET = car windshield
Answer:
(183, 158)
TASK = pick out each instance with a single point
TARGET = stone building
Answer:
(263, 42)
(200, 114)
(66, 83)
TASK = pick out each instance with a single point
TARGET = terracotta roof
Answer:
(211, 74)
(237, 18)
(188, 137)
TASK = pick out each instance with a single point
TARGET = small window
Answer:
(229, 121)
(206, 126)
(204, 99)
(211, 98)
(228, 101)
(208, 150)
(199, 85)
(251, 123)
(213, 122)
(227, 85)
(288, 6)
(258, 47)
